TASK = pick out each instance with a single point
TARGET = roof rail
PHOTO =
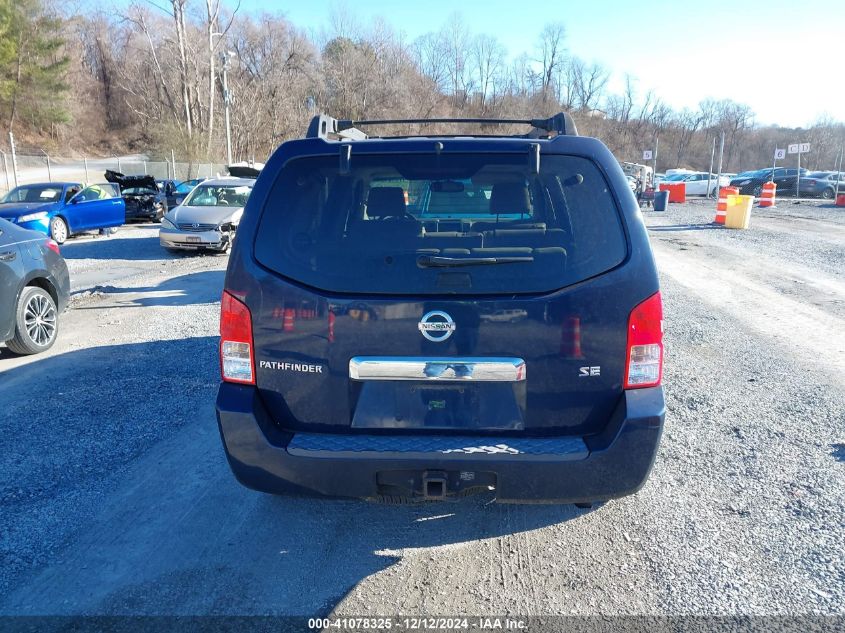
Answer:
(324, 126)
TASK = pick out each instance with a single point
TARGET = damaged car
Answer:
(209, 216)
(143, 199)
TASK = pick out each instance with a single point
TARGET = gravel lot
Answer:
(116, 498)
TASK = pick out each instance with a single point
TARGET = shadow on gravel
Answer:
(685, 227)
(194, 288)
(70, 422)
(116, 247)
(122, 502)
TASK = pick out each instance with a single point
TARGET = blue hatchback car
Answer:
(419, 318)
(60, 209)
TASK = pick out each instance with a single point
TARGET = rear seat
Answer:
(451, 239)
(533, 238)
(549, 255)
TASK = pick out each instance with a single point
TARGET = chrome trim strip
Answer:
(457, 369)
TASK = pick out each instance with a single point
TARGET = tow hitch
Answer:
(434, 484)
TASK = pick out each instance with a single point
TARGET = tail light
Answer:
(236, 360)
(53, 246)
(644, 366)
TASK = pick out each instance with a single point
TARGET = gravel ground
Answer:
(117, 499)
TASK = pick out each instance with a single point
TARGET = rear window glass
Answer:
(427, 224)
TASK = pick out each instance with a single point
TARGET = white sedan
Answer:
(209, 216)
(697, 184)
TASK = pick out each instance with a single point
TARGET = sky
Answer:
(785, 59)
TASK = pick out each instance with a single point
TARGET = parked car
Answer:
(428, 400)
(174, 191)
(62, 209)
(193, 182)
(141, 194)
(701, 184)
(822, 184)
(209, 216)
(34, 289)
(783, 177)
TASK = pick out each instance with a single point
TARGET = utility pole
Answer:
(14, 158)
(6, 170)
(721, 154)
(710, 173)
(654, 165)
(227, 100)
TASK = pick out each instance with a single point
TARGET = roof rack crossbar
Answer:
(322, 126)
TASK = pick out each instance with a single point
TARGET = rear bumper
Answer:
(612, 464)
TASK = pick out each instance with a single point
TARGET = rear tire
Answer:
(36, 322)
(58, 230)
(827, 194)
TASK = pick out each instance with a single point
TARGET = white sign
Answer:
(793, 149)
(805, 147)
(647, 154)
(780, 154)
(799, 148)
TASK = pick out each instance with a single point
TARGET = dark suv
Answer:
(425, 317)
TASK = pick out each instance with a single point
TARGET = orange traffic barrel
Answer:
(767, 195)
(287, 324)
(840, 200)
(331, 319)
(722, 204)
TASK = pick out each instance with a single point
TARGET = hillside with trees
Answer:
(149, 80)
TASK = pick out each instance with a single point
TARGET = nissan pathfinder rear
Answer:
(429, 316)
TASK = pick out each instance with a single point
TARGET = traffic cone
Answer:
(767, 195)
(722, 204)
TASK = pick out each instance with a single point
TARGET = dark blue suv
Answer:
(425, 317)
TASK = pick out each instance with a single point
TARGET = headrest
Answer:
(510, 197)
(385, 202)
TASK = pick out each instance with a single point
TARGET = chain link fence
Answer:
(26, 168)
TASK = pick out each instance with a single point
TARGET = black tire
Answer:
(585, 505)
(758, 190)
(58, 230)
(827, 194)
(36, 322)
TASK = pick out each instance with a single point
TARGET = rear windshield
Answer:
(428, 224)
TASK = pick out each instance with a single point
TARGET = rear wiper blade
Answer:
(436, 261)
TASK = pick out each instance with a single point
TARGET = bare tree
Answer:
(488, 59)
(551, 50)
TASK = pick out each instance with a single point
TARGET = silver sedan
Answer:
(209, 216)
